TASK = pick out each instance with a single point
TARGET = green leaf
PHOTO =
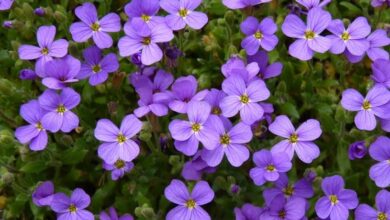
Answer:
(290, 110)
(34, 167)
(74, 155)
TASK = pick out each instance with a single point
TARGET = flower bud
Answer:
(27, 74)
(39, 11)
(357, 150)
(8, 24)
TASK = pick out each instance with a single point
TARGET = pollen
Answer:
(96, 68)
(288, 191)
(61, 109)
(225, 139)
(146, 41)
(293, 138)
(183, 12)
(45, 51)
(95, 26)
(119, 164)
(333, 199)
(196, 127)
(39, 126)
(190, 204)
(72, 208)
(121, 138)
(216, 111)
(258, 35)
(244, 99)
(366, 105)
(309, 35)
(282, 214)
(345, 36)
(270, 168)
(145, 18)
(382, 216)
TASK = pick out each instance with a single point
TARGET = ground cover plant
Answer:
(194, 110)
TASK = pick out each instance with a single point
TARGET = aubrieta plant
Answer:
(195, 110)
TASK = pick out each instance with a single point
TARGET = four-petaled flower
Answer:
(379, 151)
(382, 211)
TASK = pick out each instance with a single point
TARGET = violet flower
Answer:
(91, 26)
(43, 194)
(309, 38)
(380, 3)
(248, 212)
(266, 71)
(189, 204)
(145, 11)
(96, 67)
(194, 169)
(258, 34)
(59, 73)
(381, 73)
(357, 150)
(150, 103)
(310, 4)
(239, 4)
(269, 165)
(113, 215)
(34, 133)
(382, 211)
(6, 4)
(379, 151)
(118, 169)
(182, 13)
(297, 140)
(118, 143)
(293, 209)
(27, 74)
(47, 50)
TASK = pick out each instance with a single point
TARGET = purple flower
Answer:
(269, 165)
(58, 107)
(8, 24)
(374, 104)
(35, 132)
(238, 4)
(293, 209)
(379, 3)
(91, 26)
(231, 143)
(379, 151)
(297, 140)
(309, 38)
(266, 71)
(184, 91)
(59, 73)
(193, 170)
(385, 123)
(27, 74)
(72, 208)
(353, 39)
(118, 144)
(5, 4)
(97, 67)
(145, 11)
(39, 11)
(113, 215)
(43, 194)
(310, 4)
(285, 191)
(189, 204)
(160, 83)
(337, 200)
(118, 169)
(150, 102)
(381, 73)
(214, 97)
(357, 150)
(236, 66)
(248, 212)
(187, 134)
(182, 13)
(258, 34)
(382, 211)
(244, 99)
(140, 37)
(48, 48)
(136, 59)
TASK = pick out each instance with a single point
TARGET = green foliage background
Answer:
(304, 90)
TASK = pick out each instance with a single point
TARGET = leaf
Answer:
(289, 109)
(74, 155)
(34, 167)
(352, 9)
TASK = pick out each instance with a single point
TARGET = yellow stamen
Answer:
(195, 127)
(225, 139)
(145, 18)
(45, 51)
(366, 105)
(61, 109)
(258, 35)
(72, 208)
(288, 191)
(270, 168)
(333, 199)
(244, 99)
(190, 204)
(121, 138)
(96, 68)
(95, 26)
(345, 36)
(309, 35)
(183, 12)
(293, 138)
(39, 126)
(382, 216)
(119, 164)
(146, 41)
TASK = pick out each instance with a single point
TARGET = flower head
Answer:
(382, 211)
(27, 74)
(380, 3)
(293, 209)
(150, 102)
(6, 4)
(118, 169)
(91, 26)
(269, 165)
(118, 143)
(189, 204)
(266, 70)
(113, 215)
(357, 150)
(381, 73)
(248, 212)
(310, 4)
(239, 4)
(337, 200)
(297, 140)
(144, 11)
(73, 207)
(59, 73)
(43, 194)
(379, 151)
(194, 169)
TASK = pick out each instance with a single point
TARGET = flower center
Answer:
(288, 191)
(309, 35)
(39, 126)
(270, 168)
(145, 18)
(146, 41)
(45, 51)
(258, 35)
(244, 99)
(190, 204)
(216, 111)
(183, 12)
(345, 36)
(196, 127)
(282, 214)
(121, 138)
(382, 216)
(95, 26)
(72, 208)
(61, 109)
(119, 164)
(293, 138)
(333, 199)
(225, 139)
(366, 105)
(96, 68)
